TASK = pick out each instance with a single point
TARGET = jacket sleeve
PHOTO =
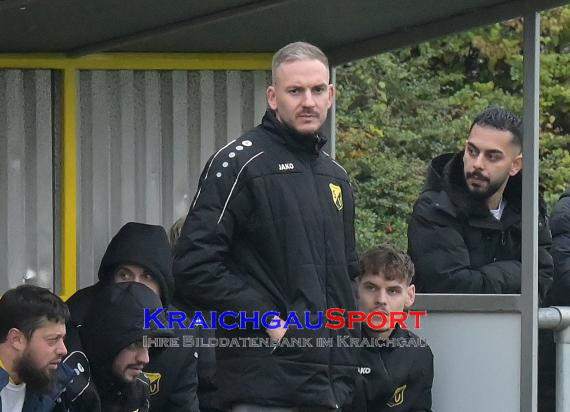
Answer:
(560, 223)
(220, 210)
(350, 244)
(184, 397)
(545, 261)
(139, 395)
(423, 402)
(350, 236)
(442, 261)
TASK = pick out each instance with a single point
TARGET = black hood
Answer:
(143, 245)
(115, 320)
(566, 193)
(310, 143)
(446, 173)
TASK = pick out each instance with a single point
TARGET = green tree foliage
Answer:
(398, 110)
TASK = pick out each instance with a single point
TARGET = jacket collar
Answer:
(4, 378)
(309, 143)
(397, 333)
(445, 175)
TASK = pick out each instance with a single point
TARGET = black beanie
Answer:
(143, 245)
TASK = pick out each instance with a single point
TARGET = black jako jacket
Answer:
(397, 377)
(271, 228)
(171, 371)
(560, 225)
(207, 387)
(457, 246)
(114, 321)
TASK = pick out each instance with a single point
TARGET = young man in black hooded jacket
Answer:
(464, 235)
(141, 253)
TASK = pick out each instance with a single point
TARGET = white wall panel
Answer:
(144, 137)
(26, 199)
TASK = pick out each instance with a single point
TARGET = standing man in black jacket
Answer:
(271, 228)
(465, 232)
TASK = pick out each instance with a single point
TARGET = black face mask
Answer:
(40, 380)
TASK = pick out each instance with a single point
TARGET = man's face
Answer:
(129, 363)
(41, 356)
(301, 95)
(136, 273)
(376, 294)
(489, 159)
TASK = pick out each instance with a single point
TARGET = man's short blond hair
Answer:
(295, 52)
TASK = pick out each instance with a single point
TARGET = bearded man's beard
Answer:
(37, 379)
(486, 193)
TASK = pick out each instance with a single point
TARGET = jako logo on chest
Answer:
(286, 166)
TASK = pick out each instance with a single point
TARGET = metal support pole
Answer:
(562, 339)
(529, 281)
(329, 128)
(554, 317)
(557, 318)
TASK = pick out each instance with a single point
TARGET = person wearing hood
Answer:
(464, 234)
(113, 339)
(141, 253)
(271, 229)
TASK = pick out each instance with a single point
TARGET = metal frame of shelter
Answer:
(525, 304)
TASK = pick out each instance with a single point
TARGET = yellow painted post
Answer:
(69, 188)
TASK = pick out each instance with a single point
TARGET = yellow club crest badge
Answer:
(154, 379)
(336, 195)
(398, 397)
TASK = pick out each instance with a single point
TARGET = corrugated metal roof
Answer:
(344, 29)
